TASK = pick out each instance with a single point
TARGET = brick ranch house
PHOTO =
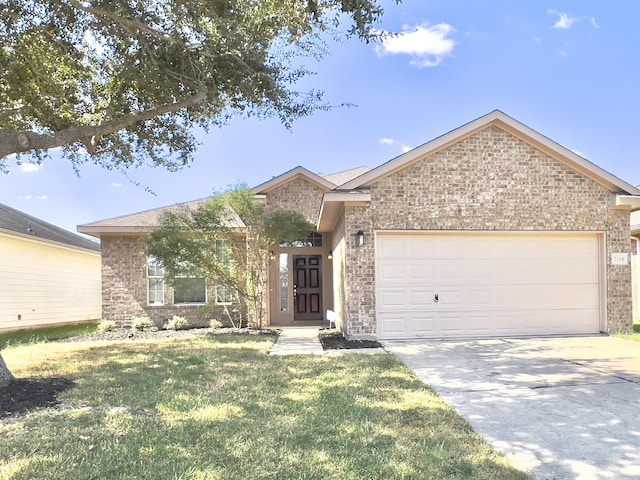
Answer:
(489, 230)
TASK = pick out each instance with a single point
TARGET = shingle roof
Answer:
(345, 176)
(148, 220)
(15, 221)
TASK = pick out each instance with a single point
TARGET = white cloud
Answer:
(116, 184)
(426, 44)
(30, 167)
(33, 197)
(594, 24)
(391, 142)
(564, 22)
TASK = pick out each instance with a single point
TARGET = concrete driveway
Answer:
(562, 408)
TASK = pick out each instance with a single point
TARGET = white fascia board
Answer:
(347, 197)
(625, 202)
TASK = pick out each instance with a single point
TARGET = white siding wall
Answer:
(46, 284)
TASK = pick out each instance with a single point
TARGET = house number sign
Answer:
(619, 259)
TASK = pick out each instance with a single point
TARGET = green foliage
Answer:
(226, 241)
(177, 323)
(282, 225)
(140, 323)
(123, 83)
(106, 326)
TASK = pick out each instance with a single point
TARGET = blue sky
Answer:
(567, 69)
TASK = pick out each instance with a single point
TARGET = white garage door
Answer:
(471, 285)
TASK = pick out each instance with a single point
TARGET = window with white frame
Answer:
(223, 253)
(155, 282)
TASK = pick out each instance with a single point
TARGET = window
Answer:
(223, 252)
(314, 239)
(189, 291)
(155, 282)
(284, 282)
(223, 295)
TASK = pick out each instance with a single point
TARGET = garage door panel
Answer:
(487, 284)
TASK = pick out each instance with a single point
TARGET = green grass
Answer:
(221, 408)
(635, 336)
(22, 337)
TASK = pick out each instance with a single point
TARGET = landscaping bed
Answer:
(125, 334)
(334, 340)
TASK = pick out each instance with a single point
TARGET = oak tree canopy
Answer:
(126, 82)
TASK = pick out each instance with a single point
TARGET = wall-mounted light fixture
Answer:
(360, 237)
(330, 256)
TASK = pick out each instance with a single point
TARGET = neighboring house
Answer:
(48, 276)
(635, 262)
(489, 230)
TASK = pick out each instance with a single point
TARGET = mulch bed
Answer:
(25, 395)
(124, 334)
(336, 341)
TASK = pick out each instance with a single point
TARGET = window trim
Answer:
(162, 303)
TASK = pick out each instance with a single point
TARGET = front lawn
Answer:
(219, 407)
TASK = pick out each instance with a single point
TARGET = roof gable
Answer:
(510, 125)
(17, 222)
(292, 174)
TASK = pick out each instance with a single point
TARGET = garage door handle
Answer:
(436, 298)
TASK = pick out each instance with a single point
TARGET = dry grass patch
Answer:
(221, 408)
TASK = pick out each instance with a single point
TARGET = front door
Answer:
(307, 287)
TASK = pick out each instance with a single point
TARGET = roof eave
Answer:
(625, 202)
(333, 204)
(34, 238)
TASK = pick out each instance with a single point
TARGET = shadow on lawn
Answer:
(22, 396)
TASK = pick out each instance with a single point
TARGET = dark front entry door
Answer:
(307, 287)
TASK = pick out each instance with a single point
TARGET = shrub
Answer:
(213, 323)
(177, 323)
(106, 326)
(140, 323)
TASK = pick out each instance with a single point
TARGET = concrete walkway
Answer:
(304, 341)
(298, 341)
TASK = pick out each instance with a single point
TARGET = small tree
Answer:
(228, 241)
